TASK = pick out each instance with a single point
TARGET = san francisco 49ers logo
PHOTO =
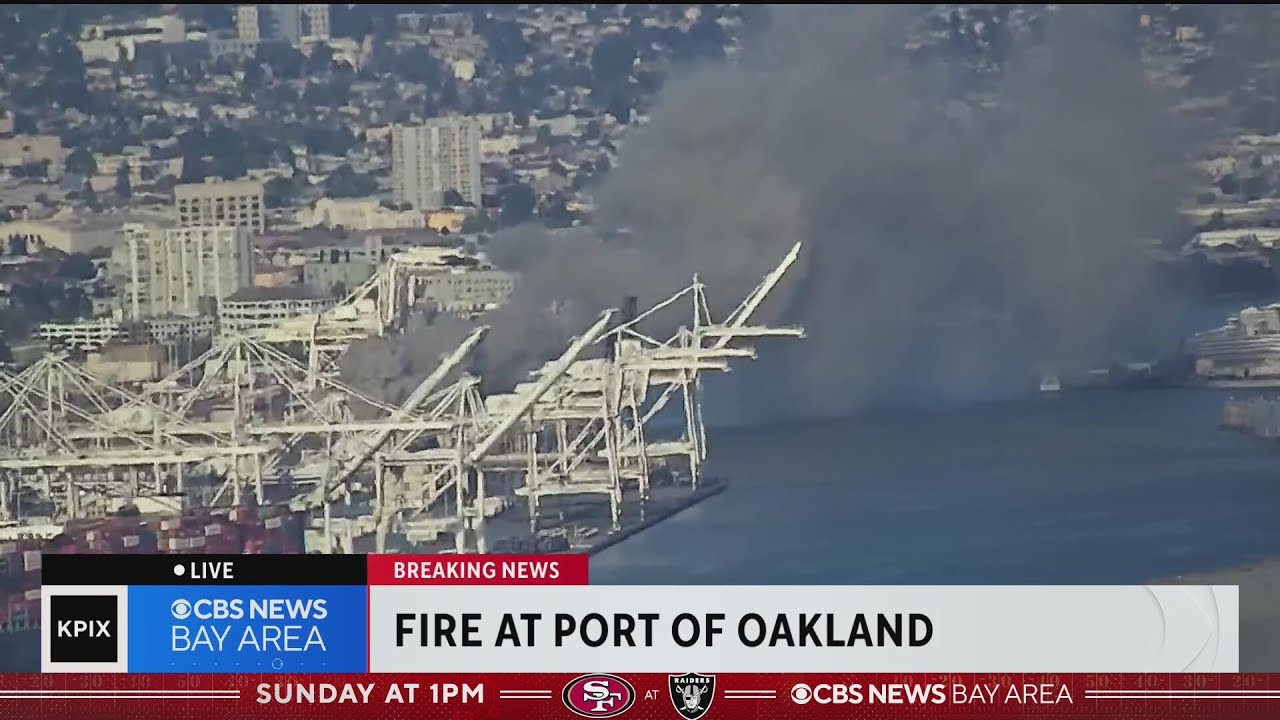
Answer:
(599, 696)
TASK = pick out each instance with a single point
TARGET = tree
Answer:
(556, 212)
(1229, 184)
(80, 162)
(284, 60)
(123, 188)
(89, 196)
(279, 192)
(476, 223)
(518, 202)
(453, 198)
(229, 165)
(346, 182)
(321, 59)
(77, 266)
(193, 169)
(611, 62)
(506, 41)
(254, 76)
(1256, 187)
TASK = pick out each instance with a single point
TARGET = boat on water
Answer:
(1050, 384)
(1245, 352)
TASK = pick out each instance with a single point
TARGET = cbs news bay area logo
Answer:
(205, 624)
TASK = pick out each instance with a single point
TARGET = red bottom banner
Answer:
(638, 696)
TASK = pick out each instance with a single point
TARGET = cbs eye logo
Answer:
(180, 609)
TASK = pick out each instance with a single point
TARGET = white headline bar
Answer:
(1112, 629)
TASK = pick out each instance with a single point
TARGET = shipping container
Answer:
(201, 531)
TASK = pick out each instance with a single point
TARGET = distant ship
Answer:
(1245, 352)
(1050, 384)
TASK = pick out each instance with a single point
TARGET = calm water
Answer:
(1106, 487)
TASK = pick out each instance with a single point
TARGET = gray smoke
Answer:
(919, 209)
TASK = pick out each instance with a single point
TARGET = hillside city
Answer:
(176, 172)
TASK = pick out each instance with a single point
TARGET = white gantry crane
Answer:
(252, 414)
(576, 430)
(76, 444)
(592, 438)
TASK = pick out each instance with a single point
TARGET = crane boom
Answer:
(376, 439)
(549, 378)
(751, 303)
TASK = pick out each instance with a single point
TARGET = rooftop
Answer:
(289, 292)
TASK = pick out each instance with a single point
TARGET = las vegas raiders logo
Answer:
(692, 693)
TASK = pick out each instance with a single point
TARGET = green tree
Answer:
(453, 198)
(279, 192)
(80, 162)
(193, 169)
(518, 203)
(346, 182)
(123, 188)
(77, 266)
(476, 223)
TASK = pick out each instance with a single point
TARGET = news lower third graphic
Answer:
(393, 614)
(205, 614)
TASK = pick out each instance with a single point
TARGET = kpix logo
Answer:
(84, 628)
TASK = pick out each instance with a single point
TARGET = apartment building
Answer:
(238, 204)
(183, 271)
(439, 155)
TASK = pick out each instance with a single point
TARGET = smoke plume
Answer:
(920, 207)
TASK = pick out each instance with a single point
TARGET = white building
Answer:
(82, 334)
(238, 204)
(95, 333)
(362, 214)
(1239, 237)
(285, 22)
(440, 155)
(184, 271)
(315, 22)
(254, 308)
(467, 291)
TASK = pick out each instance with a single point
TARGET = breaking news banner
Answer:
(481, 636)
